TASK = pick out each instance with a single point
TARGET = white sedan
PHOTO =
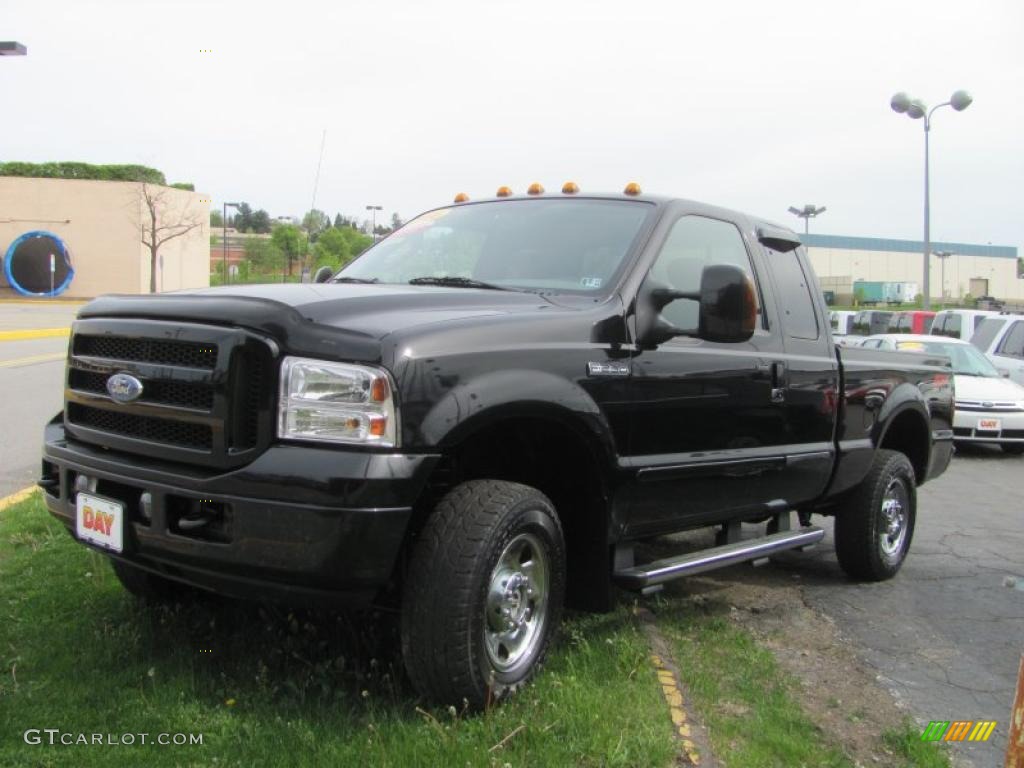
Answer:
(989, 407)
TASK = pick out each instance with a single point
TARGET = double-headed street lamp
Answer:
(807, 213)
(915, 109)
(373, 225)
(943, 255)
(224, 243)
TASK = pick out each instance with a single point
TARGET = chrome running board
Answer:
(643, 577)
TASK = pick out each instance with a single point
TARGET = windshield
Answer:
(966, 360)
(560, 245)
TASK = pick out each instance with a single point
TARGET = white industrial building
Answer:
(970, 269)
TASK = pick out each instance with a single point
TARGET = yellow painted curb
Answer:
(674, 698)
(34, 333)
(17, 496)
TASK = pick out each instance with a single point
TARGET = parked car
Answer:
(476, 420)
(911, 321)
(958, 323)
(841, 321)
(866, 323)
(1001, 339)
(989, 406)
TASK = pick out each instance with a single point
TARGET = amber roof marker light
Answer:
(570, 188)
(504, 192)
(462, 197)
(535, 189)
(632, 189)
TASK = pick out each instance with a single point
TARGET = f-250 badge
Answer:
(608, 369)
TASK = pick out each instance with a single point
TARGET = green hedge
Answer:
(83, 171)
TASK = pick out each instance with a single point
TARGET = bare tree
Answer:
(161, 225)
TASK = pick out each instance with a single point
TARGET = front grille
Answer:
(182, 353)
(197, 437)
(207, 392)
(182, 394)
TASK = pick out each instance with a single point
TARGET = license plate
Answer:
(100, 521)
(989, 425)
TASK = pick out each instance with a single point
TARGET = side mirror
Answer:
(323, 274)
(728, 308)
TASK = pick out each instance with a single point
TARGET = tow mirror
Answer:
(323, 274)
(728, 308)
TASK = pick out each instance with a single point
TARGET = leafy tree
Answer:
(263, 254)
(216, 219)
(260, 222)
(396, 221)
(188, 186)
(332, 249)
(70, 170)
(243, 219)
(315, 222)
(339, 221)
(289, 239)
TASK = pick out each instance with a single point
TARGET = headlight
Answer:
(336, 402)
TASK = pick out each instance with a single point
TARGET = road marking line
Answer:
(17, 496)
(665, 668)
(20, 361)
(34, 333)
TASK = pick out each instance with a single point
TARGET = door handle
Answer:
(777, 372)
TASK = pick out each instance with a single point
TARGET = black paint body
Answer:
(686, 434)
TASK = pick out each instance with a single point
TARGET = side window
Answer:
(894, 324)
(696, 242)
(860, 324)
(986, 332)
(1013, 344)
(795, 298)
(871, 343)
(952, 326)
(927, 327)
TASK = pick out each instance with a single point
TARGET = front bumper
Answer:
(967, 426)
(298, 524)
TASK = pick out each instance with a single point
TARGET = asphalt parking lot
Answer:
(31, 386)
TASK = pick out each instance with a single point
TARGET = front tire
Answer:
(875, 521)
(483, 595)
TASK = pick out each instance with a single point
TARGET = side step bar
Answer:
(642, 577)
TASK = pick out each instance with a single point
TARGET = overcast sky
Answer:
(750, 105)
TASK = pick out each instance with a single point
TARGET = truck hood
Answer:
(981, 388)
(378, 310)
(347, 320)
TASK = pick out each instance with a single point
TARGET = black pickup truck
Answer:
(475, 421)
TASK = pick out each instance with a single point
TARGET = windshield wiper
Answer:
(452, 281)
(355, 280)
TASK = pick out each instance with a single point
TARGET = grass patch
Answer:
(747, 703)
(265, 686)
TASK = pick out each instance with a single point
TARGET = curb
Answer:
(14, 498)
(694, 746)
(34, 333)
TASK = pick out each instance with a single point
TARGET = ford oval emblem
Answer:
(124, 388)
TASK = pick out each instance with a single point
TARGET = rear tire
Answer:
(145, 585)
(875, 521)
(483, 594)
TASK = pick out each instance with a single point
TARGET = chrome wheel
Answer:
(893, 531)
(517, 602)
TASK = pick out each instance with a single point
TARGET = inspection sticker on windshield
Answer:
(991, 425)
(591, 282)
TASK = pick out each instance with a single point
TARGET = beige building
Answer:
(977, 270)
(103, 224)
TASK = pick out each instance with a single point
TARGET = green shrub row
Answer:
(83, 171)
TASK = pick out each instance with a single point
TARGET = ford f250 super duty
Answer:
(475, 421)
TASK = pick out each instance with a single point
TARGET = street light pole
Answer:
(224, 239)
(373, 225)
(807, 213)
(915, 109)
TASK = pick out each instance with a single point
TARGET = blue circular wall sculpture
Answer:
(27, 264)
